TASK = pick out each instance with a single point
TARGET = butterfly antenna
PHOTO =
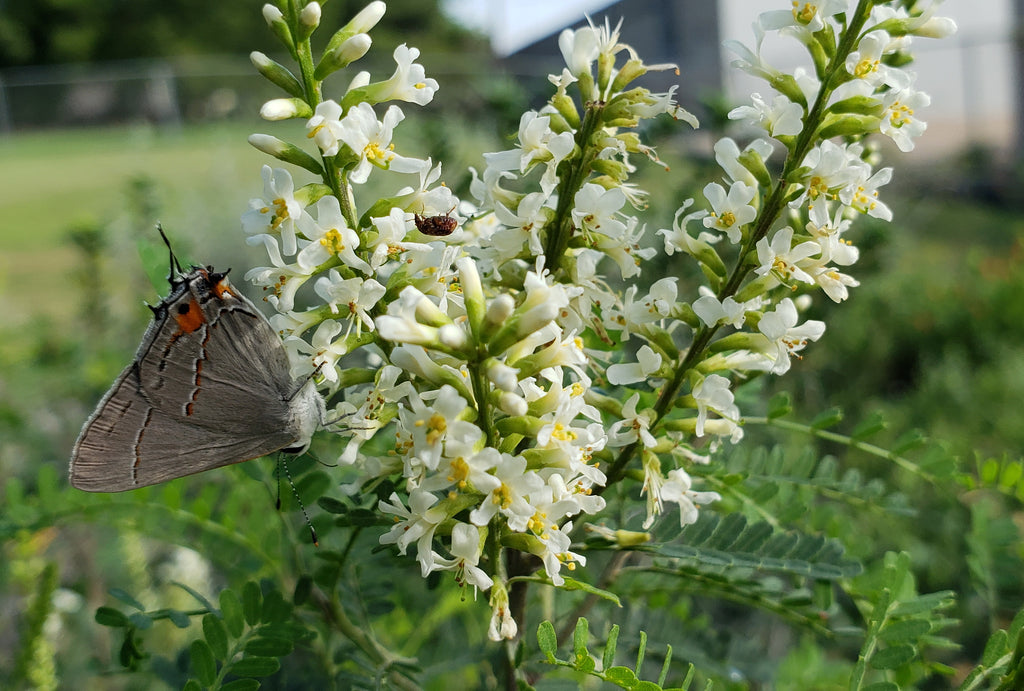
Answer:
(277, 476)
(175, 269)
(281, 463)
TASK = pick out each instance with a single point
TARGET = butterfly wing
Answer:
(211, 359)
(209, 386)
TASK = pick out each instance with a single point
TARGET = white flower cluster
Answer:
(516, 381)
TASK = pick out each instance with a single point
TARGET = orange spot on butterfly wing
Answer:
(188, 315)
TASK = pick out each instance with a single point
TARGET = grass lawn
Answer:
(53, 181)
(202, 177)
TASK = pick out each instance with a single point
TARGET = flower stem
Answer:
(561, 225)
(314, 96)
(483, 407)
(768, 214)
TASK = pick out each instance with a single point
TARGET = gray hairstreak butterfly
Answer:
(209, 386)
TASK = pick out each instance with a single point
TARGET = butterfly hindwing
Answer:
(210, 386)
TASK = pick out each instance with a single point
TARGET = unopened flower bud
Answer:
(753, 162)
(417, 361)
(850, 125)
(354, 48)
(936, 27)
(499, 310)
(472, 293)
(359, 81)
(360, 24)
(566, 107)
(452, 336)
(536, 319)
(633, 69)
(272, 15)
(309, 18)
(267, 144)
(605, 67)
(343, 55)
(617, 170)
(405, 331)
(275, 20)
(512, 404)
(502, 376)
(367, 17)
(283, 151)
(623, 538)
(285, 108)
(277, 73)
(427, 312)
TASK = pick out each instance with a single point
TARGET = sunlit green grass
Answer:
(53, 181)
(202, 178)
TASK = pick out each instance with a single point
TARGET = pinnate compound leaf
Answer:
(893, 656)
(906, 630)
(579, 638)
(203, 663)
(255, 666)
(608, 657)
(621, 676)
(241, 685)
(573, 584)
(216, 635)
(179, 619)
(269, 647)
(196, 594)
(275, 608)
(738, 544)
(252, 602)
(126, 598)
(108, 616)
(231, 608)
(547, 640)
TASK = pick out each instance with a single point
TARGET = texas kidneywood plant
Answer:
(518, 381)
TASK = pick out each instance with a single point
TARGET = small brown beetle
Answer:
(438, 226)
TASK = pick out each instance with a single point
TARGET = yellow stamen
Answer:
(460, 472)
(437, 426)
(865, 67)
(805, 13)
(503, 496)
(280, 213)
(563, 433)
(333, 241)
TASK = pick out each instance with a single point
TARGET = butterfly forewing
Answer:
(209, 386)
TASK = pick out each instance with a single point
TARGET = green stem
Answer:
(381, 657)
(561, 227)
(333, 177)
(483, 407)
(304, 52)
(845, 440)
(768, 214)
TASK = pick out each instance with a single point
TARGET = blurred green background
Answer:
(933, 339)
